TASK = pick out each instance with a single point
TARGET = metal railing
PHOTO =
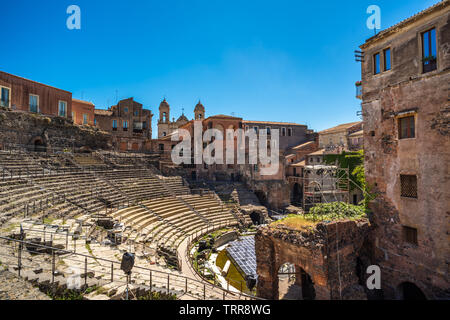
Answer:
(190, 244)
(173, 283)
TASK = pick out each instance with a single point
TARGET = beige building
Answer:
(129, 123)
(337, 138)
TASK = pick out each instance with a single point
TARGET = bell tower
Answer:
(164, 112)
(199, 111)
(164, 119)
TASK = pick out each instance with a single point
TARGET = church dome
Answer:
(182, 118)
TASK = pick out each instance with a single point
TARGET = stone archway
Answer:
(308, 290)
(274, 246)
(294, 283)
(257, 218)
(38, 144)
(410, 291)
(288, 287)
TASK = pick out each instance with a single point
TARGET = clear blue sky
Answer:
(263, 60)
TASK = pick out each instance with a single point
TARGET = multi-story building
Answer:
(337, 138)
(83, 112)
(20, 94)
(129, 124)
(272, 189)
(291, 134)
(405, 107)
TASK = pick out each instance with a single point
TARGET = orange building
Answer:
(82, 112)
(20, 94)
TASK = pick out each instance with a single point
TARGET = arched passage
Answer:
(294, 283)
(257, 218)
(409, 291)
(39, 145)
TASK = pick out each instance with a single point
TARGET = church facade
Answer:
(167, 127)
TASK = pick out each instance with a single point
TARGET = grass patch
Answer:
(297, 222)
(48, 220)
(66, 295)
(158, 296)
(11, 227)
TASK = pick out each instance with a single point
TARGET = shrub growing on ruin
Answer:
(335, 211)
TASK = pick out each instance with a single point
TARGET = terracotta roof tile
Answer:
(303, 145)
(82, 101)
(341, 127)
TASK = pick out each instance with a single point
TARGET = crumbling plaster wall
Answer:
(385, 96)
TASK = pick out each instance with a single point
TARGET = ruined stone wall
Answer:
(316, 252)
(406, 89)
(54, 132)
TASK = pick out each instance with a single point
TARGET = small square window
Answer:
(410, 235)
(283, 132)
(408, 186)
